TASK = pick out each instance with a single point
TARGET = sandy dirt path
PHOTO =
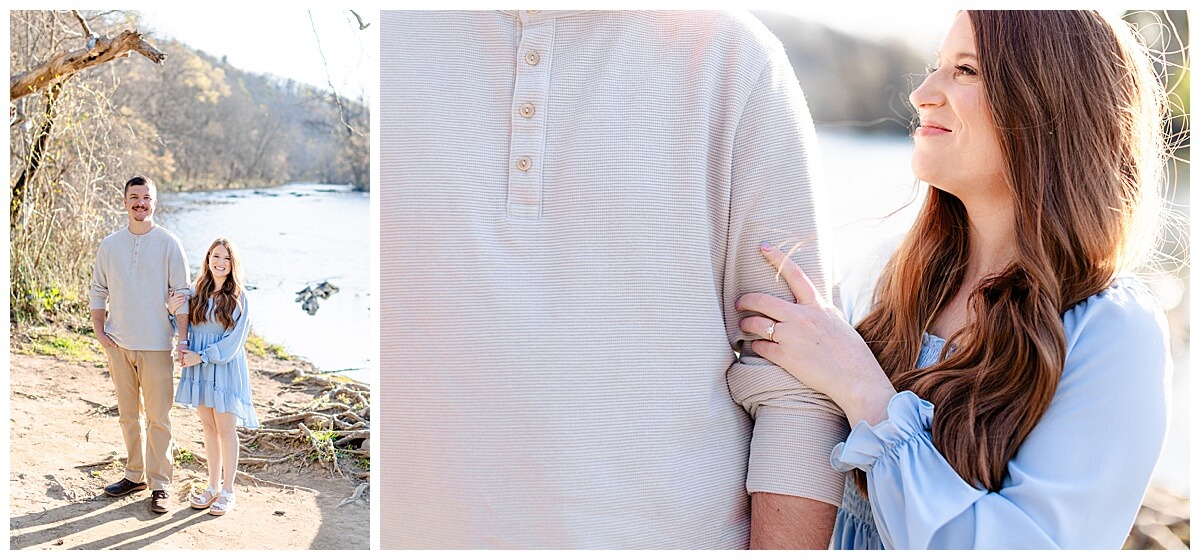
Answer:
(63, 417)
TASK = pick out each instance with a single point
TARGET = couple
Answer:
(574, 207)
(139, 300)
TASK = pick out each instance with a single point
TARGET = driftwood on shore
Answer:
(333, 429)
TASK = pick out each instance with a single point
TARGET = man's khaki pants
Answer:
(143, 377)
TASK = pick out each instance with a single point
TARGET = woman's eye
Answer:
(930, 69)
(965, 70)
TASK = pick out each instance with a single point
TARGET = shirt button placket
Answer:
(530, 93)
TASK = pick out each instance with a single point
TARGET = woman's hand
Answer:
(813, 342)
(189, 358)
(175, 302)
(180, 348)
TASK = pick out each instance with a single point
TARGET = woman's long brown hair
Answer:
(226, 299)
(1078, 111)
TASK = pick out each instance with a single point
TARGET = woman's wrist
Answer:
(867, 401)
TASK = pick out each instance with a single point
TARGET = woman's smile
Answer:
(219, 262)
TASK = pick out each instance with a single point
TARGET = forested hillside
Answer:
(191, 122)
(95, 100)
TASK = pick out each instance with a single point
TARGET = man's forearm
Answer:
(181, 327)
(98, 317)
(778, 521)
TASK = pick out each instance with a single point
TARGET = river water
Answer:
(869, 176)
(291, 237)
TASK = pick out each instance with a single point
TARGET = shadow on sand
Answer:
(86, 517)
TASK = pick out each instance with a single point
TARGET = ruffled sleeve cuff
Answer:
(907, 417)
(210, 355)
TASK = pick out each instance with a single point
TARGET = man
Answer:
(571, 202)
(136, 268)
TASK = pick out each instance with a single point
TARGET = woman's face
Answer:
(957, 147)
(219, 262)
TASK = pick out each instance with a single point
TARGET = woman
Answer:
(1013, 385)
(215, 379)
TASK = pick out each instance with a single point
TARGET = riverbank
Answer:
(303, 479)
(234, 186)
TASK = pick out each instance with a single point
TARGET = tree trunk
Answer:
(35, 156)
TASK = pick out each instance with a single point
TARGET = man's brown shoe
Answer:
(158, 501)
(123, 487)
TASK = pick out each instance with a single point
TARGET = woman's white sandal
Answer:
(222, 504)
(204, 499)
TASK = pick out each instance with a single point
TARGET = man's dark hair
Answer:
(140, 180)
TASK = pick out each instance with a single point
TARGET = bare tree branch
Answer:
(87, 31)
(65, 64)
(361, 25)
(337, 99)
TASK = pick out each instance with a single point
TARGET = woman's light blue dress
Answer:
(1075, 482)
(222, 378)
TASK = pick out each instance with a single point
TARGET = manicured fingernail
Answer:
(736, 302)
(765, 246)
